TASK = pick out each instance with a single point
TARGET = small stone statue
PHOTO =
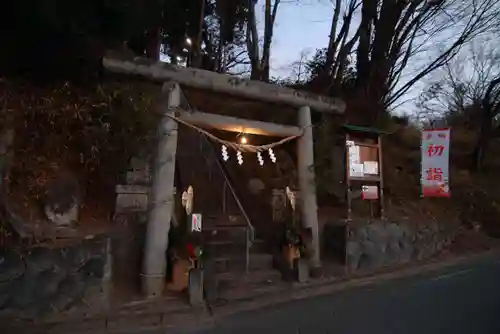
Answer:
(63, 199)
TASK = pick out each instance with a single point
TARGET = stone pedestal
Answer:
(195, 288)
(302, 270)
(131, 198)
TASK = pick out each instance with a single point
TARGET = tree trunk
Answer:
(332, 46)
(485, 130)
(260, 66)
(197, 58)
(153, 42)
(482, 144)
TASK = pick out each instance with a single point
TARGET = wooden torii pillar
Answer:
(161, 207)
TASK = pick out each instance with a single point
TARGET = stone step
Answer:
(221, 248)
(237, 263)
(223, 219)
(224, 233)
(229, 279)
(232, 287)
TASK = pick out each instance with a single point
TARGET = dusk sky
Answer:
(304, 26)
(299, 27)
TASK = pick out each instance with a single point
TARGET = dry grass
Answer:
(90, 131)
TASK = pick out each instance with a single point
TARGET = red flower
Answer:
(190, 250)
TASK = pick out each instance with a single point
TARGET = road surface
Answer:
(463, 299)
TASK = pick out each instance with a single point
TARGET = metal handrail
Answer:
(250, 234)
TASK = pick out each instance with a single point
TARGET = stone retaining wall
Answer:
(45, 281)
(377, 244)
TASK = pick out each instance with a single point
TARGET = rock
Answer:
(360, 233)
(394, 232)
(353, 251)
(50, 280)
(40, 260)
(48, 283)
(23, 229)
(63, 199)
(378, 244)
(94, 268)
(75, 257)
(256, 186)
(12, 266)
(374, 253)
(62, 219)
(4, 299)
(6, 289)
(70, 292)
(392, 253)
(24, 293)
(377, 233)
(406, 251)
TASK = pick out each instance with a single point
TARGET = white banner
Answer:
(435, 163)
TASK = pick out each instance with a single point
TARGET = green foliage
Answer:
(92, 132)
(317, 63)
(66, 39)
(232, 15)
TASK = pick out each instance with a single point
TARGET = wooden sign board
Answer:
(364, 166)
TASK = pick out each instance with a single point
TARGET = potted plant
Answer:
(185, 255)
(180, 269)
(293, 246)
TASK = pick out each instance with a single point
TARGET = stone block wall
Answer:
(46, 281)
(377, 244)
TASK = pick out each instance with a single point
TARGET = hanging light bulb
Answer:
(260, 159)
(271, 155)
(243, 140)
(239, 156)
(225, 155)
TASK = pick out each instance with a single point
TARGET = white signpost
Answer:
(435, 163)
(196, 222)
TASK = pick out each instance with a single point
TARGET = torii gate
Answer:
(161, 207)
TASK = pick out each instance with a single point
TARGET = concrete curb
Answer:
(324, 287)
(174, 320)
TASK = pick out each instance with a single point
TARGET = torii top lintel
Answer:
(202, 79)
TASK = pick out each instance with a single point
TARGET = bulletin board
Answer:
(364, 167)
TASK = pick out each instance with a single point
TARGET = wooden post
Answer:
(348, 178)
(162, 201)
(307, 196)
(381, 183)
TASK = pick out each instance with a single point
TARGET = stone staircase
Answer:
(226, 245)
(224, 226)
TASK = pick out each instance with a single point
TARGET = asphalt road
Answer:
(463, 299)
